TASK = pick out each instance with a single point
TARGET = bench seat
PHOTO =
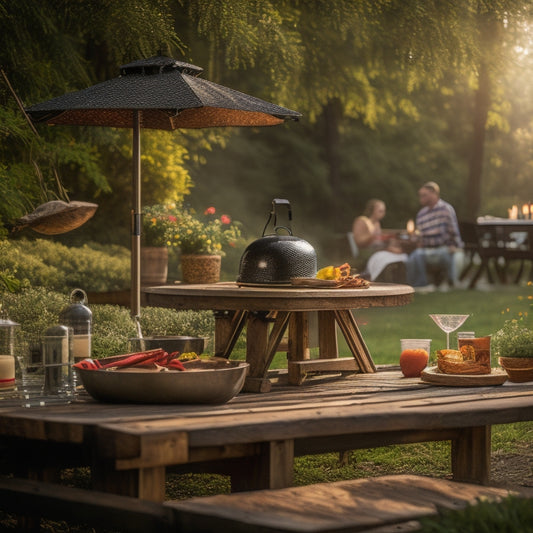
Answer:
(377, 505)
(382, 504)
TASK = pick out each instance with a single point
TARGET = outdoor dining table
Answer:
(255, 437)
(268, 311)
(500, 242)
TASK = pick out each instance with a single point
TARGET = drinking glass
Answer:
(449, 323)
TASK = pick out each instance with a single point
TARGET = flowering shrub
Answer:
(156, 221)
(204, 234)
(515, 338)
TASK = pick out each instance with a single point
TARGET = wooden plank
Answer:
(78, 506)
(298, 370)
(355, 505)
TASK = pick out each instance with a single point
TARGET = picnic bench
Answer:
(255, 437)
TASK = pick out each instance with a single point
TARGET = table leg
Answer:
(261, 346)
(272, 469)
(355, 340)
(146, 483)
(327, 335)
(228, 327)
(471, 455)
(299, 337)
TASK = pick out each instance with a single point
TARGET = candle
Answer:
(410, 226)
(514, 212)
(81, 347)
(525, 211)
(7, 371)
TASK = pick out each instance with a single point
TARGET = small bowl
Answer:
(169, 343)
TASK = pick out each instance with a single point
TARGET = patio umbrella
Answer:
(156, 93)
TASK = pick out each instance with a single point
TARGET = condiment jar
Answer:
(78, 317)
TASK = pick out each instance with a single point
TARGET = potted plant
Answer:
(201, 240)
(156, 220)
(513, 344)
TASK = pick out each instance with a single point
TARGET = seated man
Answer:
(439, 234)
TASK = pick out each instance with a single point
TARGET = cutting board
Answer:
(432, 375)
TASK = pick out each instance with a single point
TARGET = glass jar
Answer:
(7, 353)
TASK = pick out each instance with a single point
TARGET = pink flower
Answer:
(225, 219)
(172, 218)
(209, 211)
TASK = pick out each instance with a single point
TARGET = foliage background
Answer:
(393, 93)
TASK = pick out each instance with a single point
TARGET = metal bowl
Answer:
(211, 381)
(170, 343)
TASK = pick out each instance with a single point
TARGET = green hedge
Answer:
(36, 309)
(58, 267)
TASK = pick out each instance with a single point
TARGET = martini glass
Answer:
(449, 323)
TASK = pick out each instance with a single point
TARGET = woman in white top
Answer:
(380, 248)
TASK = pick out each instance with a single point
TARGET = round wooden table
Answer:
(267, 311)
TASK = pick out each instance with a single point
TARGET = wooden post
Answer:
(471, 455)
(272, 469)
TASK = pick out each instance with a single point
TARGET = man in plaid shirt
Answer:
(440, 238)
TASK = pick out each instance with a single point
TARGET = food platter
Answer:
(211, 381)
(434, 376)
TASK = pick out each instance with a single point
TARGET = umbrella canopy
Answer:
(157, 93)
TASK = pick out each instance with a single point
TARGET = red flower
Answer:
(209, 211)
(225, 219)
(172, 218)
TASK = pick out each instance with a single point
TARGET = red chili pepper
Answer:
(140, 357)
(175, 364)
(88, 364)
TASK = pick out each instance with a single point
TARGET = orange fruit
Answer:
(413, 361)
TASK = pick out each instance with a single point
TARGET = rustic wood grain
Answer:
(356, 505)
(129, 446)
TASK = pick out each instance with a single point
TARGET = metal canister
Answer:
(57, 361)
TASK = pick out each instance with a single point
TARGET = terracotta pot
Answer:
(519, 369)
(200, 268)
(154, 265)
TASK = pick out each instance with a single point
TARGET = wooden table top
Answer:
(230, 296)
(379, 403)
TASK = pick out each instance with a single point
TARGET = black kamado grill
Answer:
(274, 259)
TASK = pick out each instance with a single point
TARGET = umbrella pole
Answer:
(136, 219)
